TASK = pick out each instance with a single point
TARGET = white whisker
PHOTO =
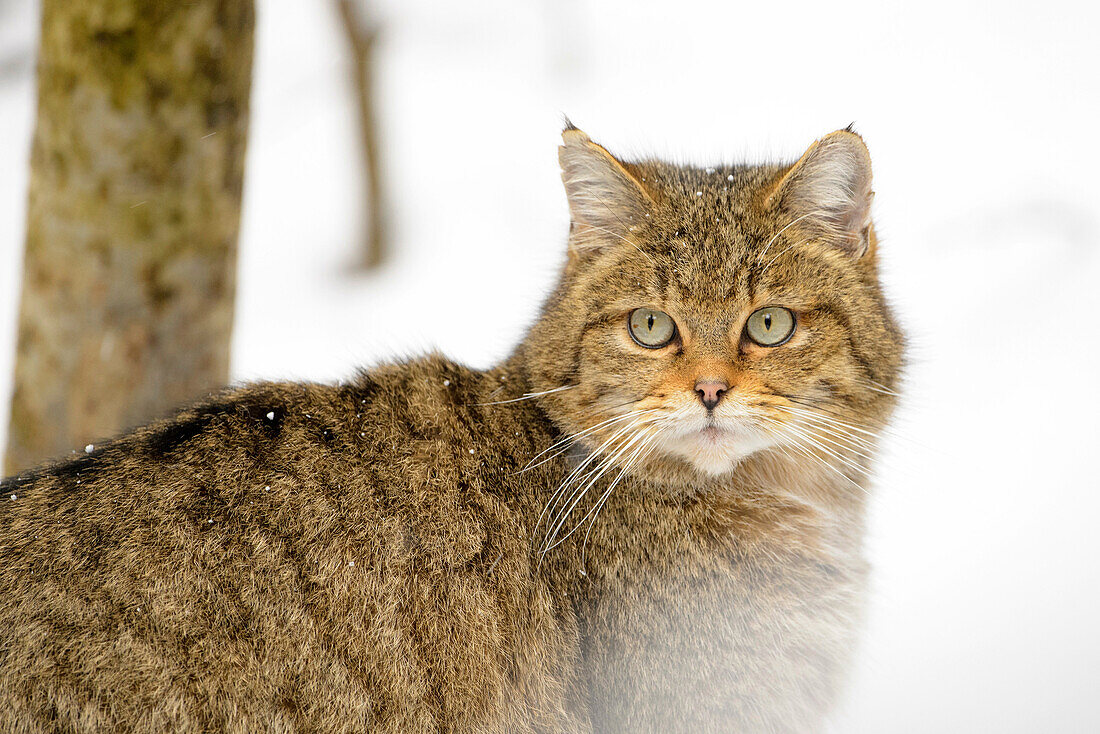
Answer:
(578, 493)
(648, 445)
(816, 442)
(529, 396)
(776, 235)
(781, 254)
(567, 441)
(838, 436)
(624, 239)
(589, 483)
(638, 416)
(821, 414)
(782, 433)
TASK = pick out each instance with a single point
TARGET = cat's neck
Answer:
(772, 496)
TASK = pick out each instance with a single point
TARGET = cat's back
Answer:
(286, 556)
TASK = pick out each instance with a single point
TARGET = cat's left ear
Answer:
(829, 189)
(604, 194)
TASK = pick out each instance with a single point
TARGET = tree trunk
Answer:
(133, 214)
(362, 34)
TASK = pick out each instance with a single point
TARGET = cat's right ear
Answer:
(605, 198)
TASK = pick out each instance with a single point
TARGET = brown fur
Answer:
(369, 556)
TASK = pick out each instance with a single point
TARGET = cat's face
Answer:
(707, 315)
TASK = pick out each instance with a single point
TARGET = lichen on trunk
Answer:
(133, 215)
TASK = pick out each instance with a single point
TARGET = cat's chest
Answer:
(698, 577)
(677, 610)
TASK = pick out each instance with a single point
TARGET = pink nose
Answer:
(710, 392)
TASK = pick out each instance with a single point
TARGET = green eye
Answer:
(652, 329)
(771, 326)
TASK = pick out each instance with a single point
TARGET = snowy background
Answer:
(981, 119)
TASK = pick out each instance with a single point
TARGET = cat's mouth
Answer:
(710, 430)
(714, 446)
(714, 433)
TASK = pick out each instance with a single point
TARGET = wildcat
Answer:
(648, 518)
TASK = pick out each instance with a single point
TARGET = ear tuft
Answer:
(603, 194)
(830, 189)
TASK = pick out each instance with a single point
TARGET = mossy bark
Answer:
(133, 214)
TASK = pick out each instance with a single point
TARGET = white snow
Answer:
(981, 123)
(89, 448)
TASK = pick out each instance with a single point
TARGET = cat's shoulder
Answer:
(375, 417)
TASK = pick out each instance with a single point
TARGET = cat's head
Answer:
(710, 314)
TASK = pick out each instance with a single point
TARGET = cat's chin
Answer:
(714, 451)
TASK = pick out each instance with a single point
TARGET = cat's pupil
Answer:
(650, 321)
(768, 321)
